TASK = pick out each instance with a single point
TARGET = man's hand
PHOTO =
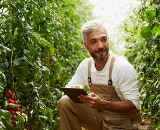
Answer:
(92, 100)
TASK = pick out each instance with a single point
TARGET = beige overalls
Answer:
(75, 115)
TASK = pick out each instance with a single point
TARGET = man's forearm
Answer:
(125, 106)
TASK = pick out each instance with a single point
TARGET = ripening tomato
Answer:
(50, 59)
(13, 112)
(18, 110)
(14, 122)
(12, 97)
(11, 100)
(14, 119)
(9, 93)
(143, 123)
(10, 106)
(15, 102)
(40, 81)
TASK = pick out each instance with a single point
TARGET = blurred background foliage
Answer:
(142, 29)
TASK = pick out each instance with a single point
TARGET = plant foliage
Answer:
(143, 50)
(40, 47)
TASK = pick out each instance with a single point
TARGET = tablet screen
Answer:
(73, 93)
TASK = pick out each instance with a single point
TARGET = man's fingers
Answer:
(92, 94)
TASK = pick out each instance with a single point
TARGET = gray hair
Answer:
(91, 26)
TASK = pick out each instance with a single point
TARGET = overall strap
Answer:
(110, 71)
(89, 73)
(110, 82)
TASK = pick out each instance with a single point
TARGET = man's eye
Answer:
(93, 42)
(104, 40)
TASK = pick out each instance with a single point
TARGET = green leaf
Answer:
(21, 120)
(146, 32)
(156, 2)
(151, 14)
(2, 76)
(33, 50)
(48, 112)
(149, 44)
(156, 30)
(6, 115)
(43, 42)
(17, 61)
(4, 48)
(10, 37)
(86, 88)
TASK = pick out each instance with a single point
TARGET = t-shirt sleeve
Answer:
(128, 82)
(80, 76)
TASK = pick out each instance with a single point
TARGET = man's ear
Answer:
(85, 44)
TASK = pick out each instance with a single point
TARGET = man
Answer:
(113, 103)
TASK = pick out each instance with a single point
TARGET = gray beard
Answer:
(101, 57)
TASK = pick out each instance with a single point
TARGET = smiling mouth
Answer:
(100, 51)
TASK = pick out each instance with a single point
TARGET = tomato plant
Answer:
(40, 48)
(143, 38)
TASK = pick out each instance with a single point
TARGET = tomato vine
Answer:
(143, 38)
(40, 45)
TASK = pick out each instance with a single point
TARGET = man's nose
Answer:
(99, 44)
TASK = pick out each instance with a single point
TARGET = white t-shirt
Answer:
(123, 76)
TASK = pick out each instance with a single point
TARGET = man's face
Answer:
(97, 44)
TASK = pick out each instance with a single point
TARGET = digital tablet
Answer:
(73, 93)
